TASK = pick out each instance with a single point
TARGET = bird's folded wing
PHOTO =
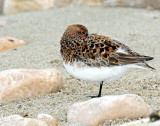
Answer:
(103, 51)
(123, 59)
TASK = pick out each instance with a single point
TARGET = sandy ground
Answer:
(42, 30)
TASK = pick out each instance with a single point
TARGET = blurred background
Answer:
(18, 6)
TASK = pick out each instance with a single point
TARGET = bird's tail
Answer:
(147, 58)
(146, 66)
(142, 64)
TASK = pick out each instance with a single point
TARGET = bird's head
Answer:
(76, 31)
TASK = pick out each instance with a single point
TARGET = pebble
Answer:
(22, 83)
(97, 110)
(17, 120)
(10, 42)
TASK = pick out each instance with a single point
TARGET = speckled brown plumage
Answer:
(95, 50)
(97, 58)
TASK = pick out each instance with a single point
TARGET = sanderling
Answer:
(97, 58)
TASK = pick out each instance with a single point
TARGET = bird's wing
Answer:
(102, 51)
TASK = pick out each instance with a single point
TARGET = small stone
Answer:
(155, 116)
(125, 3)
(141, 122)
(10, 42)
(61, 3)
(17, 120)
(93, 3)
(17, 6)
(22, 83)
(50, 120)
(155, 4)
(95, 111)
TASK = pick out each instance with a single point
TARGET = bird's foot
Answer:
(95, 96)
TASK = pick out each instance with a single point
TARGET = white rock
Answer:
(61, 3)
(133, 3)
(125, 3)
(16, 120)
(22, 83)
(50, 120)
(17, 6)
(95, 111)
(142, 122)
(92, 3)
(9, 42)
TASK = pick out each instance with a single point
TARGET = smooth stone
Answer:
(92, 3)
(141, 122)
(97, 110)
(9, 42)
(17, 6)
(22, 83)
(17, 120)
(155, 4)
(50, 120)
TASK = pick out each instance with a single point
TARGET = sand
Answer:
(42, 30)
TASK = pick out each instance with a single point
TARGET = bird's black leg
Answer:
(100, 90)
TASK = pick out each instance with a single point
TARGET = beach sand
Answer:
(42, 30)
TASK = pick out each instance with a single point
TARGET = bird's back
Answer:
(96, 50)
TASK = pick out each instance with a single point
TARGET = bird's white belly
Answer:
(106, 74)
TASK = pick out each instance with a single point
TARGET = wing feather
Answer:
(102, 51)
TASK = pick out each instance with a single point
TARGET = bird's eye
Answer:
(83, 33)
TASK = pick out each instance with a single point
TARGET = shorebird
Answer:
(97, 58)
